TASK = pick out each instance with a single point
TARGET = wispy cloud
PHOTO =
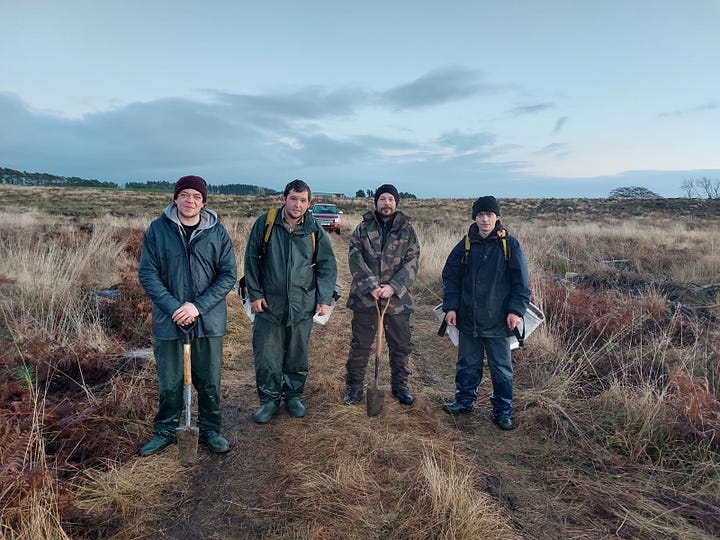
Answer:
(438, 87)
(466, 142)
(555, 149)
(559, 125)
(531, 109)
(705, 107)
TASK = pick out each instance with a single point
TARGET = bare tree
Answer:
(688, 186)
(710, 187)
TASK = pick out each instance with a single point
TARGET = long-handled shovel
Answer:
(375, 396)
(187, 435)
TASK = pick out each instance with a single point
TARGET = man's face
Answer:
(386, 204)
(486, 222)
(296, 203)
(189, 202)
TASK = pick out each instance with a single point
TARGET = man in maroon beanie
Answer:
(187, 268)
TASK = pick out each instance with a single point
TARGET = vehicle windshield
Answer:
(325, 209)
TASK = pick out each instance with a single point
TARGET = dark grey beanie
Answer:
(387, 188)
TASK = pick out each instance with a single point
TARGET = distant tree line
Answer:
(370, 193)
(23, 178)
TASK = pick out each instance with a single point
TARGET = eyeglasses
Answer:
(190, 197)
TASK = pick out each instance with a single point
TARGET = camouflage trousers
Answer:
(397, 335)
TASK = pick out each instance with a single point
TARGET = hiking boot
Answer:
(353, 396)
(214, 441)
(295, 407)
(504, 422)
(456, 408)
(265, 413)
(155, 445)
(403, 395)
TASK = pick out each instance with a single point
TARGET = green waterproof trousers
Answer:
(206, 366)
(281, 359)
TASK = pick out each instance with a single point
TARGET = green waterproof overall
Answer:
(206, 367)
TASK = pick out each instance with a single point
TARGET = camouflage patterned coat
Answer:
(371, 264)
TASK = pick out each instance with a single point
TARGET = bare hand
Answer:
(386, 291)
(259, 305)
(451, 318)
(185, 314)
(512, 321)
(322, 309)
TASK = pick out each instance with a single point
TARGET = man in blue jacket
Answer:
(485, 295)
(290, 277)
(187, 268)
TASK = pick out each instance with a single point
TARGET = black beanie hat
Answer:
(485, 204)
(191, 182)
(387, 188)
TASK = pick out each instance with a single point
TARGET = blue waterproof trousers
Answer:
(469, 372)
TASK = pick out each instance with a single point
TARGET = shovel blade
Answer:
(375, 401)
(187, 441)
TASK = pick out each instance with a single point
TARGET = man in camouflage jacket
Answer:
(383, 258)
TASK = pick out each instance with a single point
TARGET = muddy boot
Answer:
(265, 413)
(353, 395)
(155, 445)
(403, 395)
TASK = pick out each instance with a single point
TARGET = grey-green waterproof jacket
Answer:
(174, 271)
(373, 264)
(284, 274)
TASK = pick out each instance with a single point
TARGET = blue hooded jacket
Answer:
(488, 287)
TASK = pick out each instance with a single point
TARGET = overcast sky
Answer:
(523, 98)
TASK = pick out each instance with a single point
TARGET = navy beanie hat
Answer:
(191, 182)
(387, 188)
(485, 204)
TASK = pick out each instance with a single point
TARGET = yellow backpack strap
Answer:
(269, 222)
(467, 249)
(502, 233)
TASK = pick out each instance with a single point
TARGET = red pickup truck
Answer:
(328, 216)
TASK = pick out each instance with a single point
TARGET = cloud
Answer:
(705, 107)
(559, 125)
(531, 109)
(310, 103)
(438, 87)
(555, 149)
(466, 142)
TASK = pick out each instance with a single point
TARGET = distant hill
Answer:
(24, 178)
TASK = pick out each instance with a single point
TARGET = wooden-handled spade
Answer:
(375, 396)
(187, 435)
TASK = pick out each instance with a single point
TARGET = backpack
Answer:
(270, 223)
(502, 233)
(242, 284)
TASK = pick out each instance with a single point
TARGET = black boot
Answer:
(403, 395)
(353, 395)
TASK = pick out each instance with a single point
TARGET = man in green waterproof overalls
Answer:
(187, 268)
(290, 276)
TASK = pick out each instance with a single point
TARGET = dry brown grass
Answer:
(615, 397)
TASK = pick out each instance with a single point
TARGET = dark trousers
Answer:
(397, 335)
(281, 359)
(206, 367)
(469, 372)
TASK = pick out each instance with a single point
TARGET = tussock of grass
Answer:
(139, 492)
